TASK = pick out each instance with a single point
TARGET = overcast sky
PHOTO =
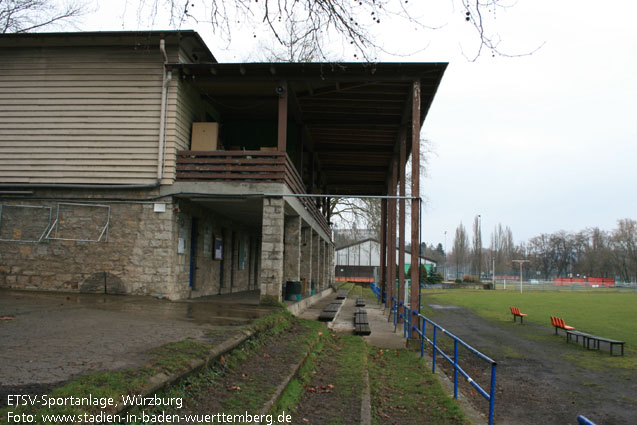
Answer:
(539, 143)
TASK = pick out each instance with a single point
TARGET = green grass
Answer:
(403, 390)
(609, 314)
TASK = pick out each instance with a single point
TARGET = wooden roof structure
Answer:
(352, 115)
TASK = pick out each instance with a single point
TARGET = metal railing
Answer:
(380, 294)
(583, 420)
(421, 328)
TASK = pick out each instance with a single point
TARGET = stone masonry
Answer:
(272, 250)
(316, 261)
(306, 259)
(292, 248)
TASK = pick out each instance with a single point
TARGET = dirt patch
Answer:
(245, 380)
(536, 383)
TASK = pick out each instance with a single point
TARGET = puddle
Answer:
(442, 307)
(238, 311)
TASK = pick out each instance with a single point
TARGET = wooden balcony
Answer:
(246, 166)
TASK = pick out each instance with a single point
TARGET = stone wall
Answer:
(142, 252)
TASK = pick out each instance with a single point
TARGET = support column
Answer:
(415, 193)
(316, 255)
(292, 248)
(402, 159)
(382, 275)
(326, 263)
(283, 116)
(306, 259)
(272, 251)
(331, 263)
(392, 228)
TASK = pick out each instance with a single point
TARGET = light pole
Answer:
(479, 247)
(445, 255)
(521, 262)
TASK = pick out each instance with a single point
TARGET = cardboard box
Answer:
(205, 136)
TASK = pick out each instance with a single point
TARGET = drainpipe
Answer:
(162, 118)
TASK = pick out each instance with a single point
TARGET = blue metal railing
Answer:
(583, 420)
(421, 327)
(380, 294)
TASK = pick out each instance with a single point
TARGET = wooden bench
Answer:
(361, 324)
(516, 313)
(360, 302)
(341, 294)
(330, 311)
(587, 338)
(558, 322)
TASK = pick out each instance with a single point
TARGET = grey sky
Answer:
(540, 143)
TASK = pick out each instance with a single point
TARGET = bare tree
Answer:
(460, 249)
(624, 242)
(477, 245)
(355, 22)
(30, 15)
(502, 248)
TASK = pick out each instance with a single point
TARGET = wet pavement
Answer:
(50, 337)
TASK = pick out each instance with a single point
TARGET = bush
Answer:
(469, 278)
(458, 280)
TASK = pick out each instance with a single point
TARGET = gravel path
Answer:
(536, 384)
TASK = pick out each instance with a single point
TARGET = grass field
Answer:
(609, 314)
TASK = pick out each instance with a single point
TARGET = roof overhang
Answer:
(189, 40)
(352, 113)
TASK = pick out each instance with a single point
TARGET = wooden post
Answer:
(402, 159)
(415, 194)
(282, 91)
(392, 229)
(383, 248)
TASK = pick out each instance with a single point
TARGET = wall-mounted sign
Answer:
(218, 251)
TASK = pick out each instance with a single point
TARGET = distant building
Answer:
(360, 261)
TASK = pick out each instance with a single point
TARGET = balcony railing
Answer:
(246, 166)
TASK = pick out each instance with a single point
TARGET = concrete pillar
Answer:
(316, 256)
(326, 279)
(292, 249)
(330, 263)
(306, 258)
(272, 251)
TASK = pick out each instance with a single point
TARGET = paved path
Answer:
(54, 337)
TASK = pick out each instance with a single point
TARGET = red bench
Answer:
(558, 322)
(516, 313)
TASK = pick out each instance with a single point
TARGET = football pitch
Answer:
(605, 313)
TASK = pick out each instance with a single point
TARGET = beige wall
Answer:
(79, 115)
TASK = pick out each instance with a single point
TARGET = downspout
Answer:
(167, 77)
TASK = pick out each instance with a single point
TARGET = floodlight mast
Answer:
(521, 262)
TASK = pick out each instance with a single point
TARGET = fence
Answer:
(421, 329)
(542, 285)
(377, 291)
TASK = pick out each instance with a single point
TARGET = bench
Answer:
(360, 302)
(516, 313)
(330, 311)
(587, 338)
(361, 324)
(558, 322)
(341, 294)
